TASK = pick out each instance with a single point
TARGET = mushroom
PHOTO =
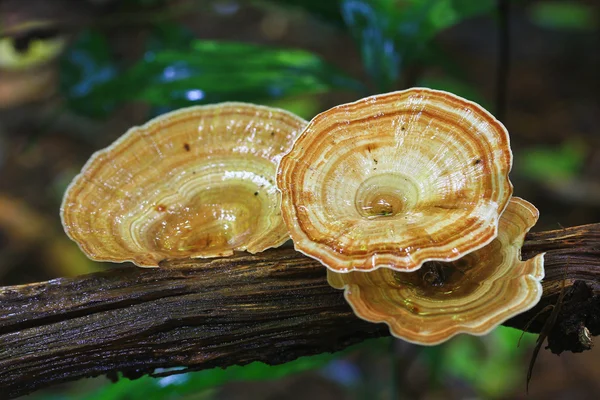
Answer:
(197, 182)
(471, 295)
(396, 179)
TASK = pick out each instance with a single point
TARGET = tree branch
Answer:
(271, 307)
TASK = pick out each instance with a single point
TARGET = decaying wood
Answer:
(271, 307)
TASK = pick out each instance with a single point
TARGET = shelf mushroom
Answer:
(396, 179)
(197, 182)
(473, 294)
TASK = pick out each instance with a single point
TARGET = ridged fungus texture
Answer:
(197, 182)
(395, 180)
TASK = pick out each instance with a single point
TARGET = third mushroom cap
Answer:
(396, 179)
(471, 295)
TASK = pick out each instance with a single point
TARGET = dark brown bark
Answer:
(271, 307)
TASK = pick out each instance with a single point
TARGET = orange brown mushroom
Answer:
(414, 180)
(197, 182)
(395, 180)
(473, 294)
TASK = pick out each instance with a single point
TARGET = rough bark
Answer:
(271, 307)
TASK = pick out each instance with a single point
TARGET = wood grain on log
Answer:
(271, 307)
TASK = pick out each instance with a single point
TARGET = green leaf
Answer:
(212, 71)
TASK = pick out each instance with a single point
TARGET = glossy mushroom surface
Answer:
(197, 182)
(471, 295)
(395, 180)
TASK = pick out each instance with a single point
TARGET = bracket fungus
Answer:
(197, 182)
(396, 179)
(471, 295)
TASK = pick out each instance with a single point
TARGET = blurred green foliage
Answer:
(488, 365)
(87, 65)
(564, 15)
(196, 72)
(553, 163)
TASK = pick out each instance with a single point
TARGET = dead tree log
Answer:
(271, 307)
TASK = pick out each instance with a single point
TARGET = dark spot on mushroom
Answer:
(375, 161)
(403, 128)
(272, 133)
(478, 161)
(256, 193)
(161, 208)
(186, 147)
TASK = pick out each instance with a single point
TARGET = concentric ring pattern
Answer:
(197, 182)
(395, 180)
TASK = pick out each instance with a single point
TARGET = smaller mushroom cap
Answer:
(197, 182)
(471, 295)
(396, 179)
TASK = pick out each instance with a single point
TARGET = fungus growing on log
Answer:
(473, 294)
(396, 179)
(197, 182)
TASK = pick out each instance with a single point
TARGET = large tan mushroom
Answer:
(471, 295)
(198, 182)
(395, 180)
